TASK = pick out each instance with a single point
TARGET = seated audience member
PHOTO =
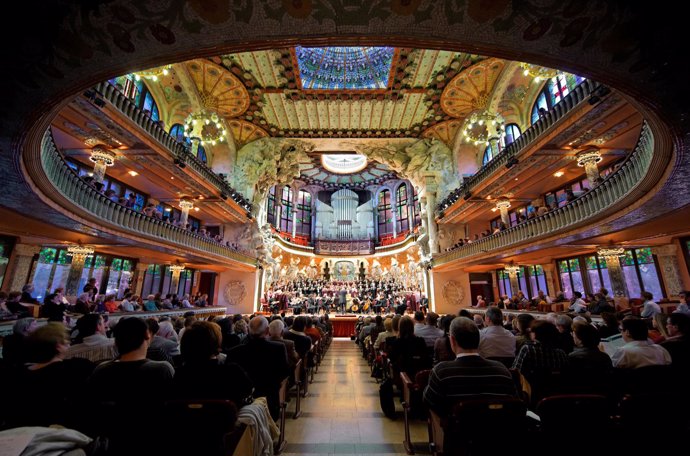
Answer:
(14, 305)
(297, 335)
(443, 351)
(577, 304)
(649, 307)
(265, 362)
(53, 309)
(185, 302)
(48, 389)
(93, 344)
(150, 304)
(601, 305)
(678, 341)
(275, 331)
(589, 368)
(126, 305)
(543, 353)
(110, 305)
(495, 340)
(205, 375)
(382, 336)
(312, 331)
(610, 325)
(26, 294)
(159, 347)
(522, 324)
(167, 331)
(564, 325)
(427, 329)
(480, 302)
(683, 307)
(468, 375)
(638, 351)
(408, 353)
(478, 320)
(14, 345)
(658, 332)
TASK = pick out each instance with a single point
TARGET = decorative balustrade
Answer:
(580, 94)
(587, 206)
(111, 213)
(127, 107)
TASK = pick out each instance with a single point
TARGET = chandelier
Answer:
(102, 156)
(483, 127)
(79, 252)
(537, 72)
(588, 156)
(152, 73)
(177, 267)
(207, 127)
(611, 252)
(512, 268)
(503, 203)
(186, 204)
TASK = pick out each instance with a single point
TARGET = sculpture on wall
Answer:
(411, 278)
(395, 271)
(376, 271)
(234, 293)
(312, 271)
(453, 293)
(292, 270)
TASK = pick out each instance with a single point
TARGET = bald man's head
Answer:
(258, 327)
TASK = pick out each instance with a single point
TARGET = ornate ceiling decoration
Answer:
(445, 131)
(471, 90)
(314, 173)
(245, 132)
(338, 68)
(408, 106)
(219, 90)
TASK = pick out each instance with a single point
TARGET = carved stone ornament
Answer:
(453, 293)
(234, 293)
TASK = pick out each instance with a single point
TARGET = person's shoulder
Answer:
(162, 366)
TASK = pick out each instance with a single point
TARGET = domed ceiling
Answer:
(334, 171)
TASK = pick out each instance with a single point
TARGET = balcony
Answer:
(618, 190)
(113, 216)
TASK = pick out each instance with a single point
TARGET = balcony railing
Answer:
(588, 206)
(580, 94)
(127, 107)
(119, 217)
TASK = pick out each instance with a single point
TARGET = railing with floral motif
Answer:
(585, 208)
(119, 217)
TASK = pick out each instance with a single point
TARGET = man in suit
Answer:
(342, 299)
(469, 375)
(298, 336)
(265, 362)
(275, 330)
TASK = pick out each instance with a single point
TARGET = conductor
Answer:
(342, 299)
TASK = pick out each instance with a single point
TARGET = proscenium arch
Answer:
(622, 58)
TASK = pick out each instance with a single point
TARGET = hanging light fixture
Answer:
(205, 126)
(512, 268)
(610, 252)
(79, 252)
(483, 127)
(153, 73)
(537, 72)
(590, 156)
(502, 203)
(177, 266)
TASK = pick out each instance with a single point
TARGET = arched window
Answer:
(304, 213)
(402, 211)
(271, 207)
(201, 154)
(417, 208)
(144, 100)
(385, 213)
(286, 213)
(553, 91)
(491, 151)
(177, 132)
(512, 133)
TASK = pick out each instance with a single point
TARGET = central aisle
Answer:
(342, 415)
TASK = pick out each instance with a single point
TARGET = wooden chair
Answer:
(412, 391)
(209, 421)
(311, 360)
(298, 387)
(593, 409)
(282, 398)
(471, 426)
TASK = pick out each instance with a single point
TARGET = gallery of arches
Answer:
(339, 227)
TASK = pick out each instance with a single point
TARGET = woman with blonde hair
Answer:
(659, 334)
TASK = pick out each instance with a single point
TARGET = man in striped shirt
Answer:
(469, 376)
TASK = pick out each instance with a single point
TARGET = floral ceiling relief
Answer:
(219, 90)
(471, 90)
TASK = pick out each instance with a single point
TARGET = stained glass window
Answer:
(571, 276)
(512, 133)
(417, 208)
(286, 212)
(554, 90)
(271, 209)
(334, 68)
(304, 213)
(385, 214)
(402, 209)
(503, 281)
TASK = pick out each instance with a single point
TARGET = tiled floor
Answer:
(342, 416)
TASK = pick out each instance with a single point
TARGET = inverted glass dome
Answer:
(344, 163)
(333, 68)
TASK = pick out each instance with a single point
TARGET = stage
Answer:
(343, 325)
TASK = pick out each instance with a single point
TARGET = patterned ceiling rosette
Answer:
(234, 292)
(445, 131)
(471, 89)
(453, 293)
(219, 90)
(245, 132)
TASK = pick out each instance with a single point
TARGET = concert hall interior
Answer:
(343, 158)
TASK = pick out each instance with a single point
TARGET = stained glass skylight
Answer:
(334, 68)
(344, 163)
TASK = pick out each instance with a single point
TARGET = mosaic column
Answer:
(20, 266)
(79, 254)
(430, 211)
(503, 205)
(138, 278)
(514, 283)
(668, 264)
(175, 270)
(549, 270)
(613, 264)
